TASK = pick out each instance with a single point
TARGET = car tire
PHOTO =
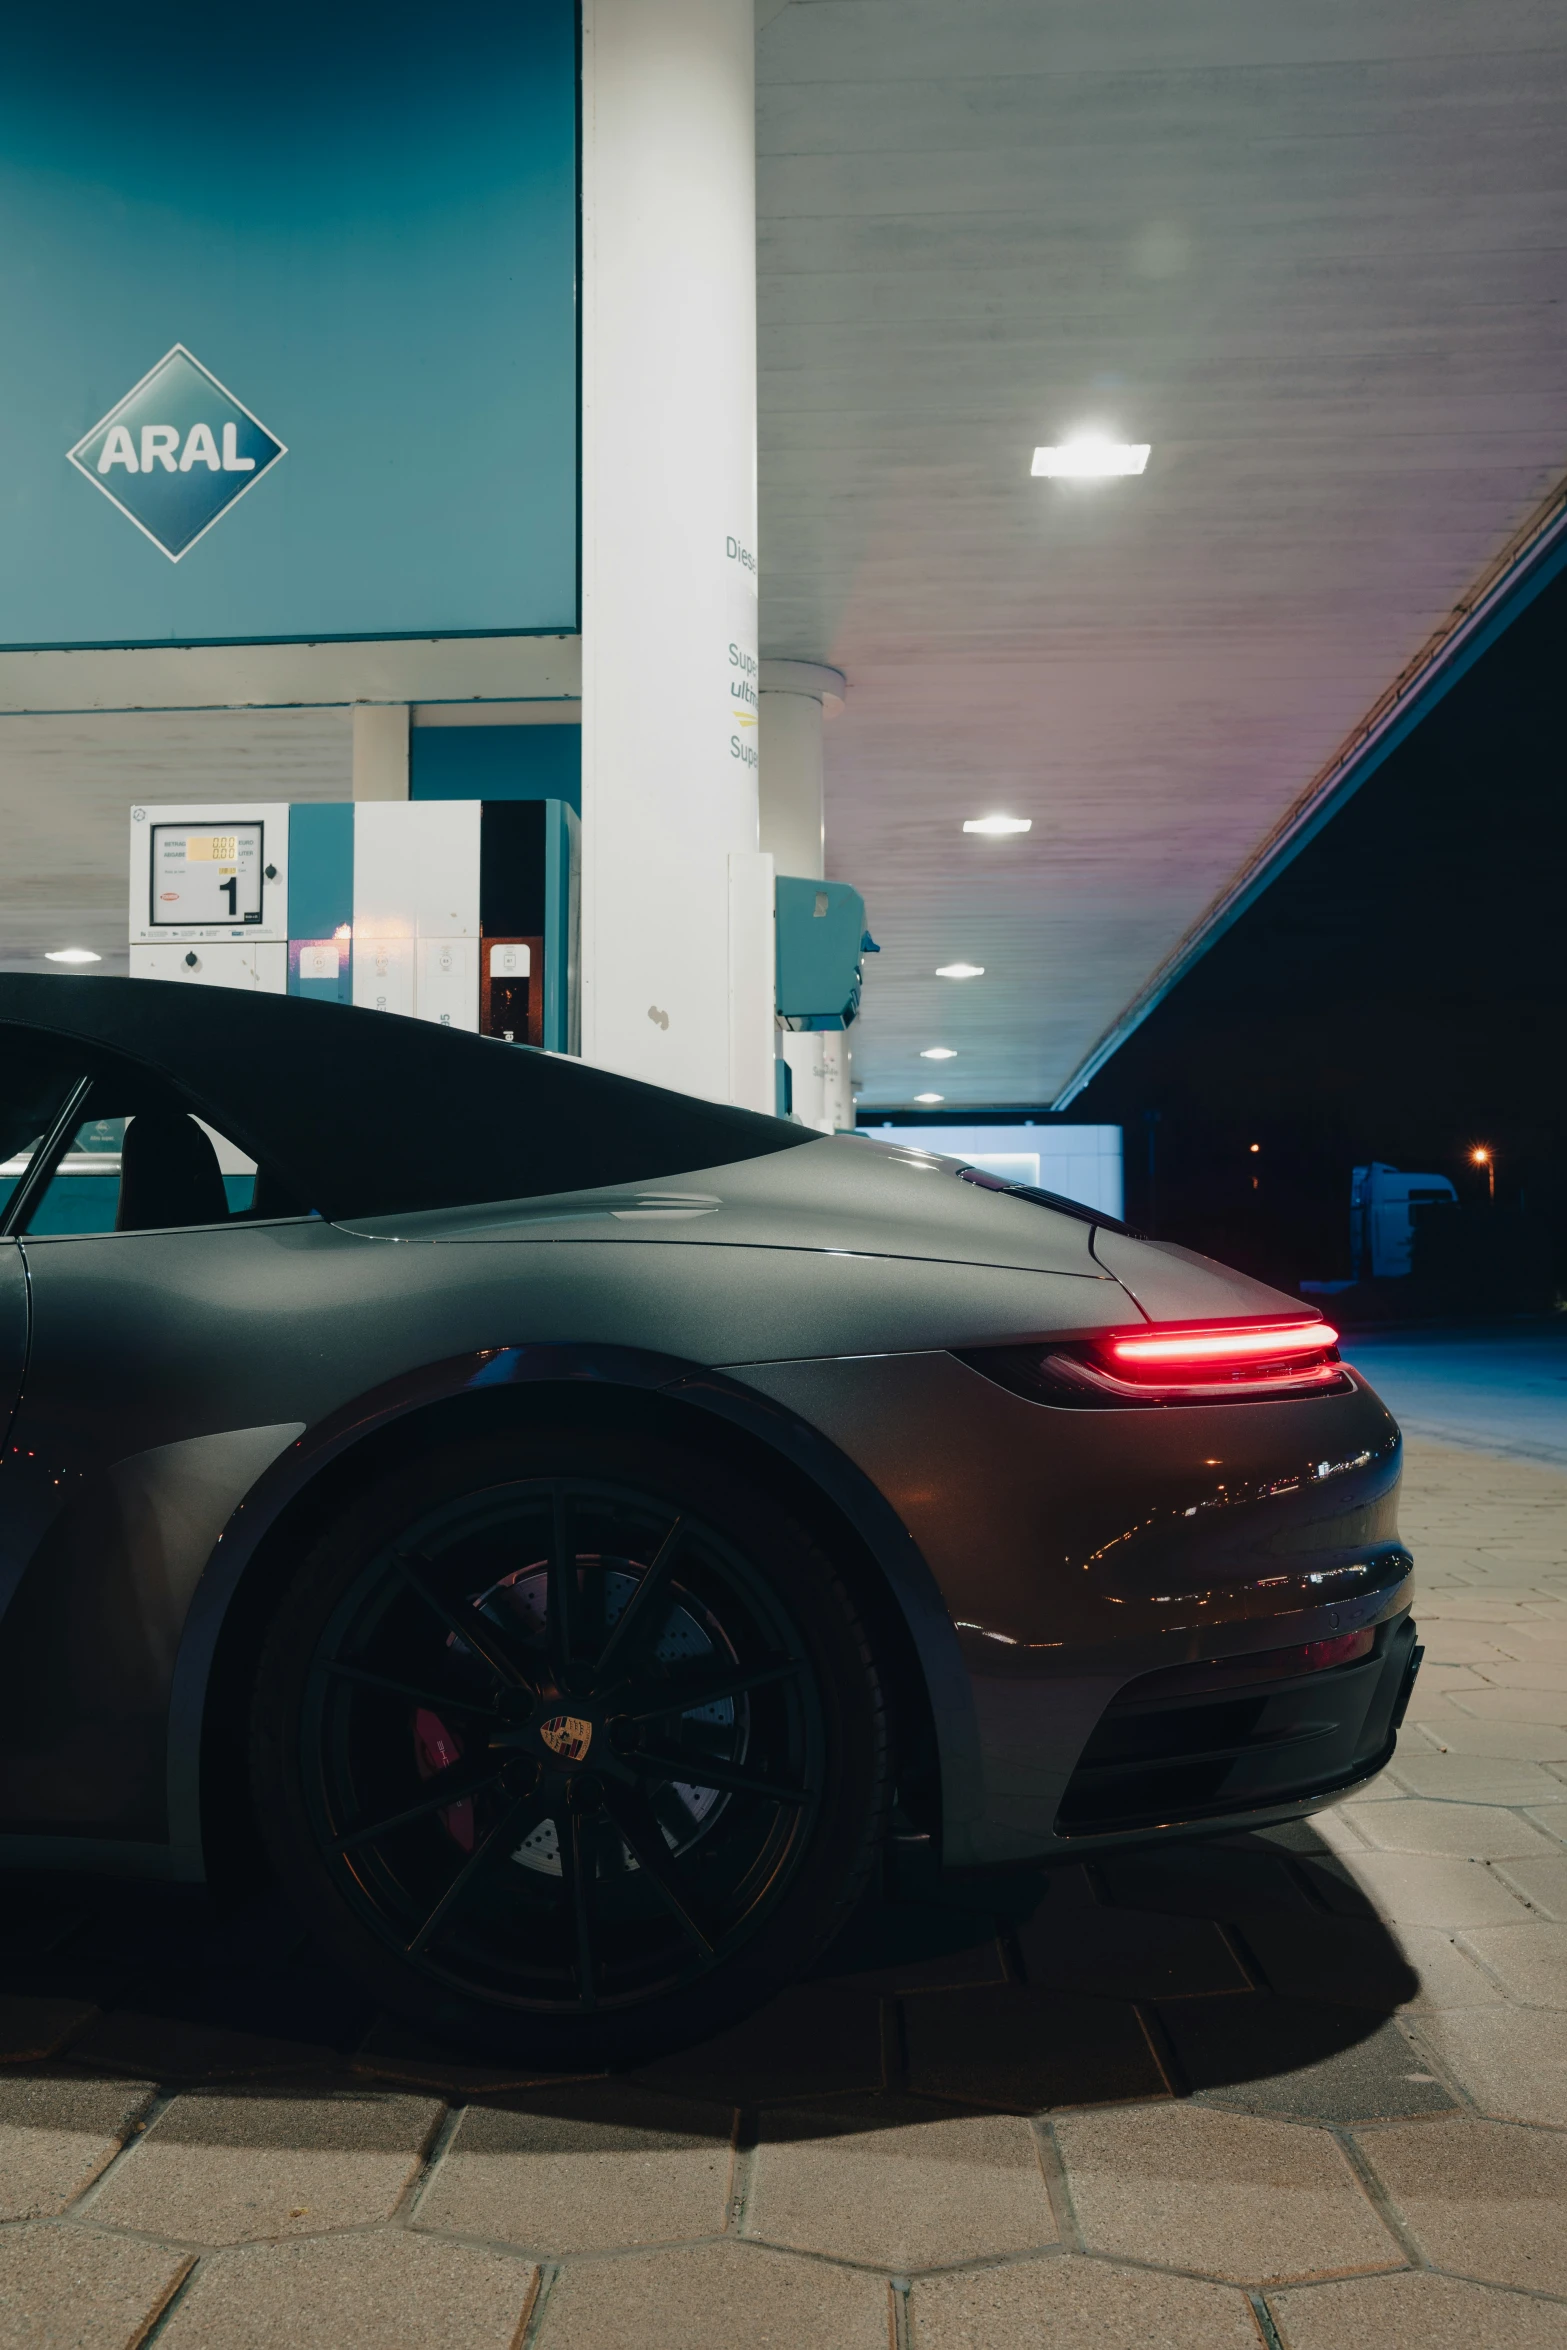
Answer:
(481, 1722)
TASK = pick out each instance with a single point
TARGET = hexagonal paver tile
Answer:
(1304, 2057)
(1528, 1961)
(1026, 2049)
(1333, 1881)
(363, 2292)
(898, 2184)
(1498, 1742)
(1514, 1705)
(811, 2042)
(949, 1970)
(714, 2297)
(1543, 1884)
(1542, 1671)
(57, 2132)
(173, 2048)
(586, 2169)
(1448, 1977)
(222, 2167)
(1204, 1881)
(1223, 2194)
(1351, 1961)
(1512, 2060)
(1077, 2304)
(1129, 1954)
(1482, 2198)
(394, 2051)
(911, 1945)
(1473, 1778)
(1437, 1889)
(34, 2028)
(1475, 1831)
(65, 2288)
(1414, 2311)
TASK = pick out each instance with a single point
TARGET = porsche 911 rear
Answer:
(1169, 1545)
(1263, 1550)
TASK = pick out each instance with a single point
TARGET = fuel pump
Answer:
(462, 912)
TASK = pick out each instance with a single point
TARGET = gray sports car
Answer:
(585, 1532)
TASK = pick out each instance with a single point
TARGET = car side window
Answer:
(38, 1076)
(173, 1169)
(141, 1161)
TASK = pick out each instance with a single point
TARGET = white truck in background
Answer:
(1382, 1204)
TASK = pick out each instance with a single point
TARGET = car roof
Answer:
(368, 1113)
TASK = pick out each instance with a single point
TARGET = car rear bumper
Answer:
(1156, 1758)
(1080, 1555)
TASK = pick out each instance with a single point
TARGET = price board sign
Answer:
(205, 875)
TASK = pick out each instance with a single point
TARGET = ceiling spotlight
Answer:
(995, 826)
(1092, 456)
(939, 1052)
(960, 970)
(71, 955)
(928, 1100)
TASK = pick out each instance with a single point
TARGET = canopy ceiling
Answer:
(1314, 256)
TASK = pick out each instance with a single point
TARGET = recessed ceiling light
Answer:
(996, 825)
(71, 955)
(939, 1052)
(1092, 456)
(960, 970)
(927, 1099)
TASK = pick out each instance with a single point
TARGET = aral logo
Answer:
(176, 453)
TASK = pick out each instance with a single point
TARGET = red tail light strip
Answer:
(1278, 1356)
(1209, 1349)
(1255, 1359)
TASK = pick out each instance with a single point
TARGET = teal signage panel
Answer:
(320, 869)
(496, 763)
(291, 334)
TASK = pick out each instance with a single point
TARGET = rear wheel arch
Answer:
(229, 1840)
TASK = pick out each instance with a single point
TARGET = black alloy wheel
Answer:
(572, 1747)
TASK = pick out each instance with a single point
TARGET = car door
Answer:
(40, 1077)
(135, 1225)
(13, 1332)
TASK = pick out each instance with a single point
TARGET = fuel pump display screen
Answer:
(205, 876)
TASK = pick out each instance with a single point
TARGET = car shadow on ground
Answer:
(1248, 1972)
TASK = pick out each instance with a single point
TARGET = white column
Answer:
(669, 685)
(753, 981)
(796, 695)
(380, 750)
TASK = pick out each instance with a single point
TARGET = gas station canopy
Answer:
(1309, 259)
(1314, 258)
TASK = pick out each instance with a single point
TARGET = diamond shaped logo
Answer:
(177, 453)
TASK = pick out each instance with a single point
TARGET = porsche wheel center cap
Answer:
(567, 1736)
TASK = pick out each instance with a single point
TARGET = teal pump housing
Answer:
(822, 945)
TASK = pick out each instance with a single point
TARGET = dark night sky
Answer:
(1399, 992)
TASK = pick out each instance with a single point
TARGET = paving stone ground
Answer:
(1304, 2090)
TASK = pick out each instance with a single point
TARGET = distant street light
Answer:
(1486, 1159)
